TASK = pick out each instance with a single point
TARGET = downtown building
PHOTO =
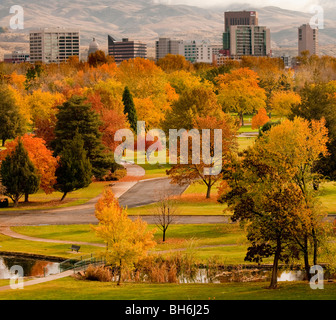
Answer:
(194, 51)
(17, 57)
(125, 49)
(53, 45)
(165, 46)
(308, 39)
(244, 37)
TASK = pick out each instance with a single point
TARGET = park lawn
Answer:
(178, 236)
(328, 197)
(72, 289)
(154, 171)
(245, 142)
(42, 201)
(192, 202)
(226, 242)
(8, 244)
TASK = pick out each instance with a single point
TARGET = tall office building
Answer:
(240, 18)
(244, 37)
(250, 41)
(53, 45)
(197, 51)
(166, 46)
(125, 49)
(308, 39)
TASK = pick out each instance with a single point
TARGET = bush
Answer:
(117, 175)
(102, 274)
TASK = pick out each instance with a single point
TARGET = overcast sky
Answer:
(301, 5)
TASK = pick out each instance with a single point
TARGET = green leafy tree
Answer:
(129, 109)
(12, 123)
(76, 115)
(75, 170)
(19, 176)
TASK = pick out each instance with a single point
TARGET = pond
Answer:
(32, 267)
(241, 275)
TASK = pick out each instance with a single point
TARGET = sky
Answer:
(300, 5)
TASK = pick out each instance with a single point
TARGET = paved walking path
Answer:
(38, 280)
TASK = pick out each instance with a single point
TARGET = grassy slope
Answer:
(72, 289)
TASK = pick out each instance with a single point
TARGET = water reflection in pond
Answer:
(244, 275)
(31, 267)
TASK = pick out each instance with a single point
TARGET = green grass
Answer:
(187, 237)
(192, 202)
(40, 200)
(247, 128)
(8, 244)
(244, 143)
(72, 289)
(328, 197)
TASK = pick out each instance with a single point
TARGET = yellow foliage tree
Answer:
(126, 241)
(282, 102)
(239, 92)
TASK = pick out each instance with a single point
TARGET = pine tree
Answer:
(76, 115)
(75, 170)
(129, 109)
(19, 176)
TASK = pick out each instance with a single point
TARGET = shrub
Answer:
(102, 274)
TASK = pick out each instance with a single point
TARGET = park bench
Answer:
(75, 248)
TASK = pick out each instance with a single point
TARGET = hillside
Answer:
(146, 21)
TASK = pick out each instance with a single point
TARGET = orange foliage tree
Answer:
(40, 156)
(260, 119)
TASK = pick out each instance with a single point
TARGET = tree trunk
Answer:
(16, 202)
(119, 276)
(26, 197)
(208, 192)
(274, 279)
(315, 247)
(64, 195)
(164, 235)
(3, 142)
(306, 257)
(242, 119)
(307, 267)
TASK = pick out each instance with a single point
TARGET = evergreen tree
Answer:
(12, 123)
(129, 109)
(76, 115)
(75, 170)
(19, 176)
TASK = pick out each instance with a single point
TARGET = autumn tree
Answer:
(19, 175)
(215, 149)
(171, 63)
(192, 103)
(272, 188)
(260, 119)
(239, 92)
(98, 58)
(75, 170)
(283, 102)
(40, 156)
(126, 241)
(319, 101)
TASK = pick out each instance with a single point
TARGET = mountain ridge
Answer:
(146, 20)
